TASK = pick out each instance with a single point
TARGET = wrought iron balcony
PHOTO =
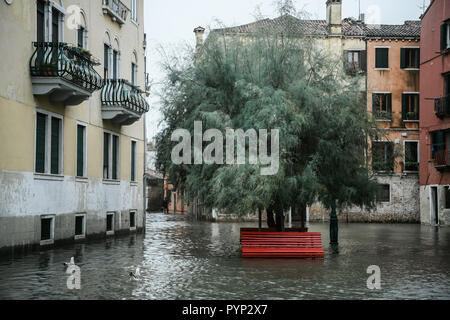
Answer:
(122, 102)
(441, 159)
(63, 73)
(116, 9)
(442, 107)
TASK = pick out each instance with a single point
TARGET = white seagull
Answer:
(136, 274)
(71, 263)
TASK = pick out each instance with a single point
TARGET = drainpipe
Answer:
(145, 175)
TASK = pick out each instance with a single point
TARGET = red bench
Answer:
(289, 244)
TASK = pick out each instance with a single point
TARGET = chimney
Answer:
(199, 32)
(334, 16)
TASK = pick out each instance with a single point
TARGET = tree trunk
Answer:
(280, 221)
(334, 225)
(259, 219)
(270, 219)
(302, 210)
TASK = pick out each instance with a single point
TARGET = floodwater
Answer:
(182, 259)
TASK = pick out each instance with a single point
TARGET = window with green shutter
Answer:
(55, 146)
(383, 156)
(445, 35)
(115, 155)
(410, 106)
(382, 105)
(41, 128)
(381, 58)
(81, 141)
(106, 155)
(133, 160)
(410, 58)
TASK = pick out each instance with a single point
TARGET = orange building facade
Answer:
(393, 96)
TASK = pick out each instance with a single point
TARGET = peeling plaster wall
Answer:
(25, 197)
(403, 207)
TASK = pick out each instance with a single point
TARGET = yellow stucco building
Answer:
(72, 130)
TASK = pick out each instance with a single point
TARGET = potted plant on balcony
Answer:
(411, 166)
(49, 69)
(411, 116)
(384, 115)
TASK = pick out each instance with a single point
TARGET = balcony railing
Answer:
(441, 159)
(63, 72)
(122, 102)
(116, 9)
(442, 107)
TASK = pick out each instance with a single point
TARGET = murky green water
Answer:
(181, 259)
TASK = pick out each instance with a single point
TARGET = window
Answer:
(383, 156)
(445, 36)
(110, 223)
(354, 61)
(133, 74)
(81, 37)
(48, 143)
(447, 197)
(47, 229)
(411, 156)
(106, 52)
(115, 71)
(133, 160)
(410, 106)
(56, 18)
(382, 105)
(110, 156)
(40, 21)
(384, 193)
(80, 226)
(132, 220)
(81, 150)
(410, 58)
(381, 58)
(134, 10)
(439, 148)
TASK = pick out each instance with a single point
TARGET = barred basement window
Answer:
(381, 58)
(80, 226)
(110, 223)
(132, 220)
(447, 197)
(47, 228)
(384, 193)
(410, 58)
(49, 141)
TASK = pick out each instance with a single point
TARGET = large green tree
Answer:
(271, 79)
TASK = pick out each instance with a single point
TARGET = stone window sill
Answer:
(81, 179)
(47, 242)
(111, 182)
(48, 177)
(382, 69)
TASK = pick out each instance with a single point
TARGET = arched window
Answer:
(134, 69)
(116, 59)
(107, 56)
(82, 31)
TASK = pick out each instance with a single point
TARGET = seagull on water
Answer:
(136, 274)
(71, 263)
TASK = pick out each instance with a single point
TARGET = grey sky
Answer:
(171, 22)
